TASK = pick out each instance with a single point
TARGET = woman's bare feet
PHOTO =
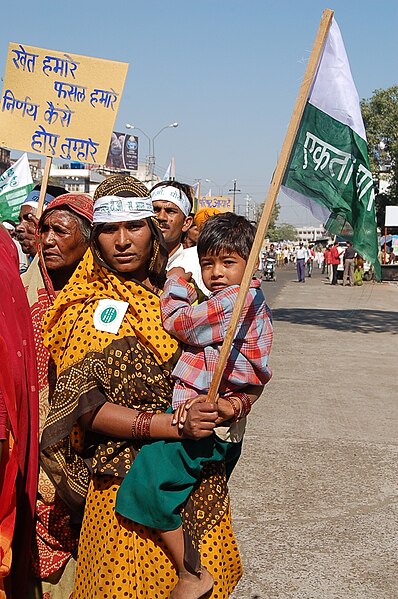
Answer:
(192, 586)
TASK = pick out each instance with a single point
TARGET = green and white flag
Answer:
(329, 170)
(15, 184)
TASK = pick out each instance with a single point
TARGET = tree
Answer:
(278, 232)
(282, 232)
(380, 115)
(274, 215)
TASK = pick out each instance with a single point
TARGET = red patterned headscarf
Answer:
(80, 203)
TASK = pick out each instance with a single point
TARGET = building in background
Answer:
(310, 233)
(76, 176)
(5, 161)
(36, 169)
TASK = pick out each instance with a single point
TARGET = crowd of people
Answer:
(327, 259)
(114, 461)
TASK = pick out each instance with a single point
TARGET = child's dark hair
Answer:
(226, 233)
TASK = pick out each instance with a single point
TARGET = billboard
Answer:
(123, 152)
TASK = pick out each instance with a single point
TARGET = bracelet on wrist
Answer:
(236, 406)
(141, 425)
(246, 404)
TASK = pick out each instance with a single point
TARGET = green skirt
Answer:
(163, 475)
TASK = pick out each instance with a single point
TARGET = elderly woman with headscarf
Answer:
(62, 237)
(114, 361)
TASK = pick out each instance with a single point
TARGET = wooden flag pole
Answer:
(43, 186)
(273, 191)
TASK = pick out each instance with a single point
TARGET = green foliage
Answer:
(380, 115)
(278, 232)
(274, 215)
(282, 232)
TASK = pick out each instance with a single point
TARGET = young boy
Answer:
(149, 495)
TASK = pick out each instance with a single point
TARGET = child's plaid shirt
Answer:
(202, 329)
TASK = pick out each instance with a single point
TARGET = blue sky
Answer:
(227, 70)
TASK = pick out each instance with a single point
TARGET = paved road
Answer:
(314, 496)
(271, 289)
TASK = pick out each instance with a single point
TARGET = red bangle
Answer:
(246, 404)
(133, 431)
(141, 426)
(236, 408)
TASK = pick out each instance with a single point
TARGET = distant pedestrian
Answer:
(334, 259)
(358, 270)
(310, 259)
(326, 260)
(320, 259)
(349, 256)
(301, 258)
(285, 256)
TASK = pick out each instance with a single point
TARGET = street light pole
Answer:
(220, 187)
(151, 155)
(234, 191)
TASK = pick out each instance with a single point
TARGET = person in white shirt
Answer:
(301, 259)
(172, 204)
(189, 260)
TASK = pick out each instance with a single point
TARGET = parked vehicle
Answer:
(368, 271)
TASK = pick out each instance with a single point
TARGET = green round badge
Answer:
(108, 315)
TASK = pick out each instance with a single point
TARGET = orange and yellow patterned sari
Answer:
(132, 367)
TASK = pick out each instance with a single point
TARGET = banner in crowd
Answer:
(329, 169)
(15, 184)
(223, 203)
(123, 152)
(58, 104)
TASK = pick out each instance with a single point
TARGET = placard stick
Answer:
(271, 197)
(43, 186)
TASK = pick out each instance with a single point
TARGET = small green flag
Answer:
(15, 185)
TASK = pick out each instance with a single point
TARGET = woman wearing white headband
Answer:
(114, 363)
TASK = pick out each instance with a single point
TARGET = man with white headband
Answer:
(173, 207)
(25, 230)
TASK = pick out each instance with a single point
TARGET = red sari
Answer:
(19, 460)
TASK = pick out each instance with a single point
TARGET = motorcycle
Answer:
(269, 270)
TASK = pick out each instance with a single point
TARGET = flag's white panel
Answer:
(333, 90)
(319, 212)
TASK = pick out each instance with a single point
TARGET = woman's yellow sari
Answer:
(131, 368)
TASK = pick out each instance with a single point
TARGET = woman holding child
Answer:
(114, 361)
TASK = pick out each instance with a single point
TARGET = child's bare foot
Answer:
(192, 586)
